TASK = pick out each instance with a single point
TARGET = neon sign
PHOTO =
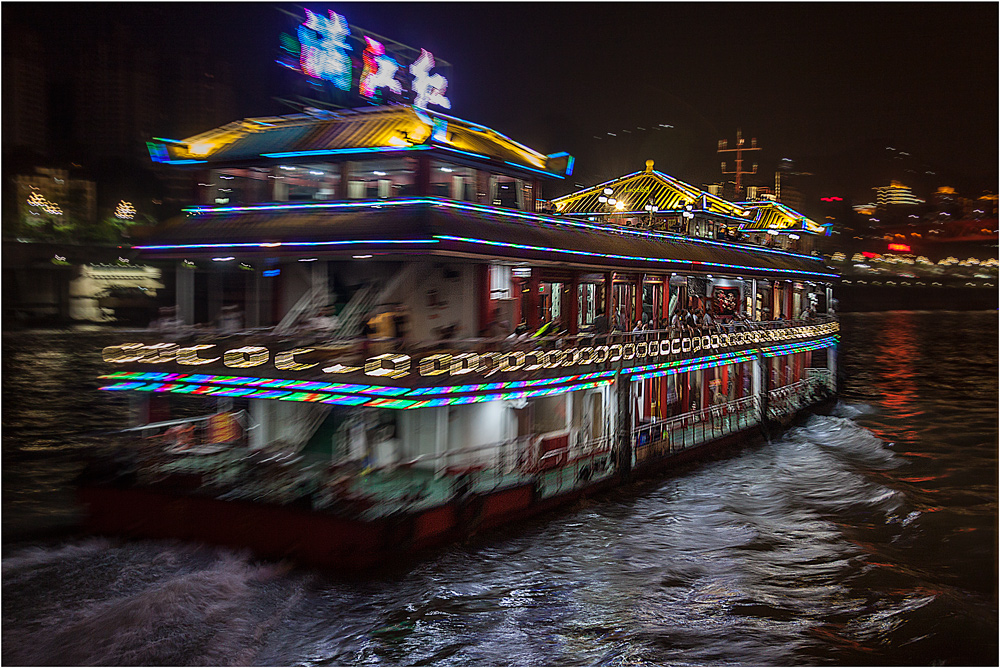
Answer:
(379, 70)
(324, 49)
(428, 87)
(321, 50)
(903, 248)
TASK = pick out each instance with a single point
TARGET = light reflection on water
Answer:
(863, 537)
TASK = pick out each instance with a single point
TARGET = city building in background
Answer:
(895, 195)
(52, 196)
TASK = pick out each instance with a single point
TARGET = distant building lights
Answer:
(316, 172)
(223, 259)
(362, 257)
(125, 210)
(377, 173)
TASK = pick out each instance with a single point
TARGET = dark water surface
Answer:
(868, 537)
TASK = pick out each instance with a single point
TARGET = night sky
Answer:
(829, 86)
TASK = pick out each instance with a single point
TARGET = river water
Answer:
(865, 537)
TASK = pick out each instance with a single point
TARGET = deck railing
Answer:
(672, 435)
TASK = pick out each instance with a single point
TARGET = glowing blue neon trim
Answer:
(183, 162)
(371, 204)
(458, 150)
(532, 169)
(569, 165)
(615, 256)
(293, 244)
(344, 151)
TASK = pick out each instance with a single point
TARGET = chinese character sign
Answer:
(428, 88)
(324, 49)
(379, 70)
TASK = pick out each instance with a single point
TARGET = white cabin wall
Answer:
(475, 425)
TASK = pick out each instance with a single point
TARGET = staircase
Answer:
(307, 306)
(367, 298)
(353, 314)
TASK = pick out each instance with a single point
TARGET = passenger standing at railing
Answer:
(707, 322)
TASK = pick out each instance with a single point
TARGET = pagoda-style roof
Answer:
(640, 189)
(666, 193)
(767, 215)
(348, 132)
(430, 226)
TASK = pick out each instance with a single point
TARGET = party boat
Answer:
(383, 339)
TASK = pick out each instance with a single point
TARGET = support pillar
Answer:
(259, 415)
(638, 297)
(253, 299)
(609, 291)
(574, 304)
(831, 365)
(623, 432)
(483, 298)
(761, 384)
(185, 294)
(215, 279)
(532, 316)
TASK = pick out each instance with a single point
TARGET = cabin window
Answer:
(317, 181)
(509, 192)
(452, 181)
(382, 179)
(235, 186)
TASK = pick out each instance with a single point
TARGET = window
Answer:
(453, 181)
(382, 179)
(509, 192)
(236, 186)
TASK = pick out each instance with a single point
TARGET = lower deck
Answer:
(362, 491)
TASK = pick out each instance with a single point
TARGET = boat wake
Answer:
(146, 604)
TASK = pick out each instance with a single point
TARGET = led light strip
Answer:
(293, 244)
(615, 256)
(345, 151)
(695, 367)
(790, 348)
(694, 360)
(377, 390)
(344, 400)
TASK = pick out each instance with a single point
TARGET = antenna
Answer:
(740, 148)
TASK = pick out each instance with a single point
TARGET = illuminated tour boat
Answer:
(383, 339)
